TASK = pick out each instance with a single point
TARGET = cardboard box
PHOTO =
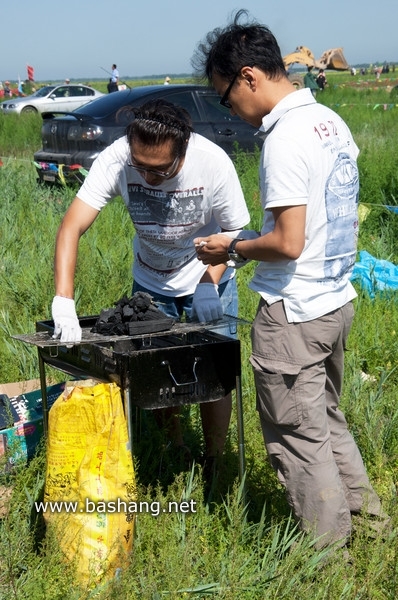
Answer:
(21, 439)
(19, 387)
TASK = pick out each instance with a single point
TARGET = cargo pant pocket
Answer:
(279, 396)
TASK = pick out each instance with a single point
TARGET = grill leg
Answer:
(133, 416)
(241, 436)
(43, 386)
(127, 413)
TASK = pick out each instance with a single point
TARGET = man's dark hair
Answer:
(226, 51)
(159, 121)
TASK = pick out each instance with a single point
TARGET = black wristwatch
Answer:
(233, 254)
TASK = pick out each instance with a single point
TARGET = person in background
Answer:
(176, 185)
(114, 80)
(7, 90)
(20, 89)
(310, 81)
(67, 80)
(321, 80)
(306, 252)
(167, 80)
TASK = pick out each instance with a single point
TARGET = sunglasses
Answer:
(224, 100)
(171, 171)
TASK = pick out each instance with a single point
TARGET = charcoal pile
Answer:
(130, 316)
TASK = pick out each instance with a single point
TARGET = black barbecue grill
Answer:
(188, 363)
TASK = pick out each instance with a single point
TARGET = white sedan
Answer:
(52, 98)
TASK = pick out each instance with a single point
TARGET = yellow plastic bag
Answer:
(90, 472)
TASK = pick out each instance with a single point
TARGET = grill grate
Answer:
(188, 363)
(44, 331)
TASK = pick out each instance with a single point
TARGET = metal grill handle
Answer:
(165, 363)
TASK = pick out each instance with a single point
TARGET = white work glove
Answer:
(66, 323)
(206, 303)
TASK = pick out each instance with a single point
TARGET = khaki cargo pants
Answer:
(298, 372)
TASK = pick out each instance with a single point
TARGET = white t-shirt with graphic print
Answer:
(309, 158)
(202, 198)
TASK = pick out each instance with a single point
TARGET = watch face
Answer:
(236, 257)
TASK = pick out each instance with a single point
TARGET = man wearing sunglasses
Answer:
(306, 251)
(176, 185)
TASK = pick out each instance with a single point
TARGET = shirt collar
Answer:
(293, 100)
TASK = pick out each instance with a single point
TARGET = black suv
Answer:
(72, 142)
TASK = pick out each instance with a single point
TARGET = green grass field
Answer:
(227, 549)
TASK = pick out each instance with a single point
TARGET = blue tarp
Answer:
(375, 275)
(393, 209)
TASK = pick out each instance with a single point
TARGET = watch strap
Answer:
(231, 248)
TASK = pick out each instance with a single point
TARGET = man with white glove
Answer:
(176, 186)
(66, 323)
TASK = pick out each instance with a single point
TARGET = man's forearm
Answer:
(213, 274)
(65, 264)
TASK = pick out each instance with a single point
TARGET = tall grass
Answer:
(226, 549)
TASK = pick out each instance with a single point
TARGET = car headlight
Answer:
(78, 133)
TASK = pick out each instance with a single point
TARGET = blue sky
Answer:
(75, 38)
